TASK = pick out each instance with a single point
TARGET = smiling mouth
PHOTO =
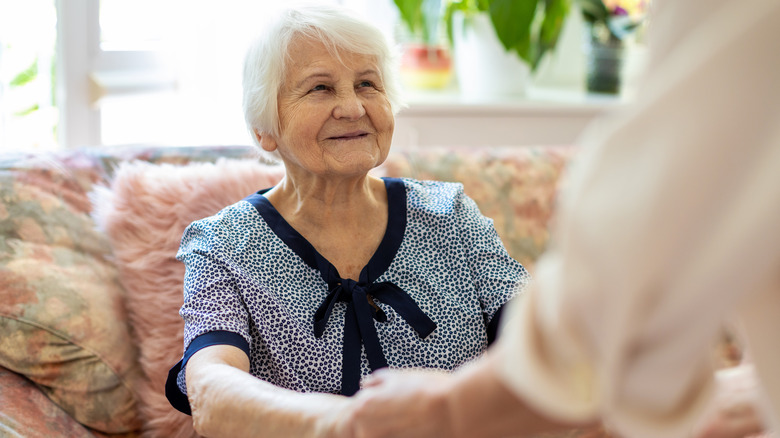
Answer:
(350, 136)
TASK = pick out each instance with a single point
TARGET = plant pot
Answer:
(483, 67)
(425, 67)
(605, 61)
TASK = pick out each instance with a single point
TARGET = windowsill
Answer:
(537, 101)
(544, 116)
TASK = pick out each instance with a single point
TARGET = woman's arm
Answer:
(227, 401)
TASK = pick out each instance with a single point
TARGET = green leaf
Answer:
(555, 12)
(28, 75)
(421, 17)
(526, 50)
(594, 11)
(26, 111)
(512, 20)
(524, 27)
(410, 14)
(452, 6)
(431, 17)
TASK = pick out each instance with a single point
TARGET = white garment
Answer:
(668, 228)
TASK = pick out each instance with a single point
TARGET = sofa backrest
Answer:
(74, 289)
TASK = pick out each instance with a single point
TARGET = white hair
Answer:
(337, 28)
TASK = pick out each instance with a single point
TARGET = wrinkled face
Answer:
(334, 115)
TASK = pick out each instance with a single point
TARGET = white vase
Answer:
(483, 67)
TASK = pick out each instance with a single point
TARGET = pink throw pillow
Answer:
(144, 214)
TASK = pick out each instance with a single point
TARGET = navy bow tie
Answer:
(359, 325)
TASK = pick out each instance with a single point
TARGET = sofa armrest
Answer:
(26, 411)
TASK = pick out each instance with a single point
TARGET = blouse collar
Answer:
(381, 259)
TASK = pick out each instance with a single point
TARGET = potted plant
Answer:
(426, 62)
(610, 23)
(499, 43)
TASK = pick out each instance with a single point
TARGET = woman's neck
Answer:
(323, 200)
(345, 221)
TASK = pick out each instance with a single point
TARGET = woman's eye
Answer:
(319, 88)
(365, 84)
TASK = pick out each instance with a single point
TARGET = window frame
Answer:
(86, 72)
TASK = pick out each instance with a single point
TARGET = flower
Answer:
(613, 20)
(631, 8)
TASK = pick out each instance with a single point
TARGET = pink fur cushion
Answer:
(144, 214)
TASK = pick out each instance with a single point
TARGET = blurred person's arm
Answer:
(424, 403)
(667, 227)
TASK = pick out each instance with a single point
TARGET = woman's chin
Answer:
(355, 163)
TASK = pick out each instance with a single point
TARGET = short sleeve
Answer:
(176, 385)
(497, 276)
(212, 301)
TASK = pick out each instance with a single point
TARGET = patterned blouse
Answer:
(437, 281)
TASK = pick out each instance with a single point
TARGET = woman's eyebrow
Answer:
(368, 72)
(313, 77)
(327, 76)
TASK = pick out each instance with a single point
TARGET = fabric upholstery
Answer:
(25, 411)
(62, 312)
(515, 187)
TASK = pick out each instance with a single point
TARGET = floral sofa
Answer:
(89, 287)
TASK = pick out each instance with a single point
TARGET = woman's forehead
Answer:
(308, 52)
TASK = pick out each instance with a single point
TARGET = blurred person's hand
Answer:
(408, 403)
(426, 403)
(734, 411)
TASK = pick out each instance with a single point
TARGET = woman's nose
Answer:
(349, 106)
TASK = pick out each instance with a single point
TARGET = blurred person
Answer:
(667, 231)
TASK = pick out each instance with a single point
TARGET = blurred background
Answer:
(115, 72)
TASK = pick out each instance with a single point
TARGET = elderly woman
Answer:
(295, 293)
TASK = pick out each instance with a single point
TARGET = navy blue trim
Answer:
(494, 324)
(178, 399)
(394, 234)
(380, 260)
(289, 235)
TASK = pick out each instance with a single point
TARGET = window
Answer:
(129, 71)
(179, 80)
(169, 72)
(28, 113)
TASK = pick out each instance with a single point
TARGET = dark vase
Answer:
(604, 65)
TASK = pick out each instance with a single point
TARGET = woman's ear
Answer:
(265, 141)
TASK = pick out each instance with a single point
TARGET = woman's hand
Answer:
(408, 403)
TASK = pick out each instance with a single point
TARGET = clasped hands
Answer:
(415, 403)
(398, 403)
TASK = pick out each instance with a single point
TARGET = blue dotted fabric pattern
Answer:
(241, 277)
